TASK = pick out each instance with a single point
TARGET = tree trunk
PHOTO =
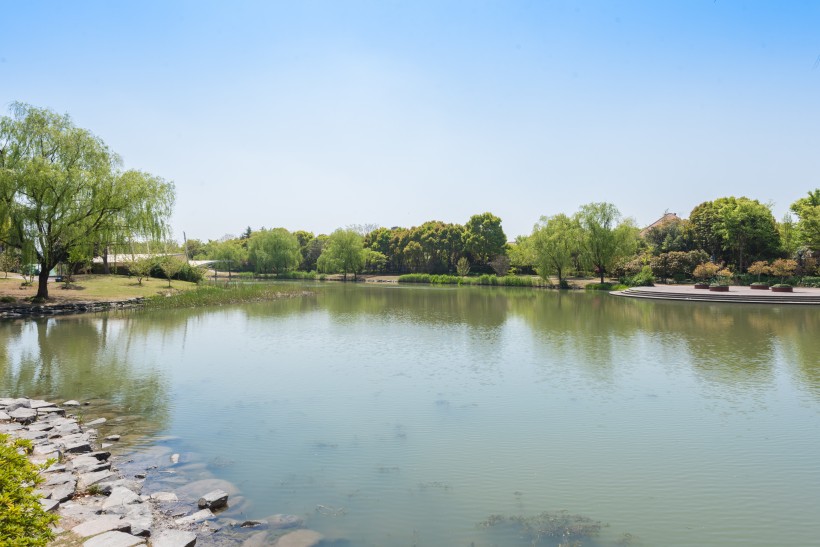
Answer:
(42, 282)
(106, 271)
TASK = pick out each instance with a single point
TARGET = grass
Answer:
(217, 295)
(94, 287)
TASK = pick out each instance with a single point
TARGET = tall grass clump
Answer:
(484, 279)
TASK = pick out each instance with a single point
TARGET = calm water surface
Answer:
(409, 415)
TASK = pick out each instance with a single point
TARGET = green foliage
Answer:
(229, 254)
(274, 251)
(61, 187)
(463, 266)
(9, 260)
(141, 268)
(677, 264)
(343, 252)
(808, 225)
(169, 266)
(483, 237)
(644, 278)
(554, 243)
(23, 522)
(307, 276)
(672, 235)
(605, 241)
(735, 230)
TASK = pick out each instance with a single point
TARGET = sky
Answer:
(316, 115)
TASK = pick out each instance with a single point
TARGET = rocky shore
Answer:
(102, 502)
(17, 311)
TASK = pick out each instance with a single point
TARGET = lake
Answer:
(395, 415)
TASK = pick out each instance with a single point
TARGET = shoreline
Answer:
(102, 499)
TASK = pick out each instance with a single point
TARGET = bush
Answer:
(810, 282)
(781, 286)
(22, 519)
(644, 278)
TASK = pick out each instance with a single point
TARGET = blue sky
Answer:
(319, 114)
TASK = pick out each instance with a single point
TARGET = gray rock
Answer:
(89, 479)
(213, 500)
(4, 417)
(174, 458)
(23, 415)
(61, 492)
(49, 505)
(174, 538)
(199, 516)
(78, 447)
(72, 402)
(299, 538)
(114, 539)
(98, 525)
(164, 496)
(50, 410)
(33, 435)
(140, 517)
(113, 438)
(98, 421)
(59, 478)
(39, 403)
(120, 496)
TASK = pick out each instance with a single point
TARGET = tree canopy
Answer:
(343, 252)
(807, 210)
(63, 192)
(275, 250)
(605, 240)
(554, 242)
(483, 237)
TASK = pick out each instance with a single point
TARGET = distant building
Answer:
(665, 219)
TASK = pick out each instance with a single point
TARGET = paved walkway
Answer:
(738, 294)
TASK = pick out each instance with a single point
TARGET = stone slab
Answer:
(105, 523)
(114, 539)
(174, 538)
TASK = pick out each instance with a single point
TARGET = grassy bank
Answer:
(219, 295)
(91, 287)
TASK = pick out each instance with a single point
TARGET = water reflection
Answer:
(87, 358)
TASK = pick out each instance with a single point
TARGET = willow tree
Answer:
(555, 242)
(63, 192)
(604, 239)
(343, 252)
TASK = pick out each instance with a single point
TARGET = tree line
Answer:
(65, 198)
(596, 240)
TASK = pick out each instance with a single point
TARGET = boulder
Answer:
(164, 496)
(71, 403)
(98, 421)
(4, 417)
(89, 479)
(214, 499)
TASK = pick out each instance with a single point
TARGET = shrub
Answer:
(463, 266)
(644, 278)
(605, 287)
(761, 267)
(810, 282)
(22, 519)
(781, 286)
(783, 268)
(678, 265)
(705, 271)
